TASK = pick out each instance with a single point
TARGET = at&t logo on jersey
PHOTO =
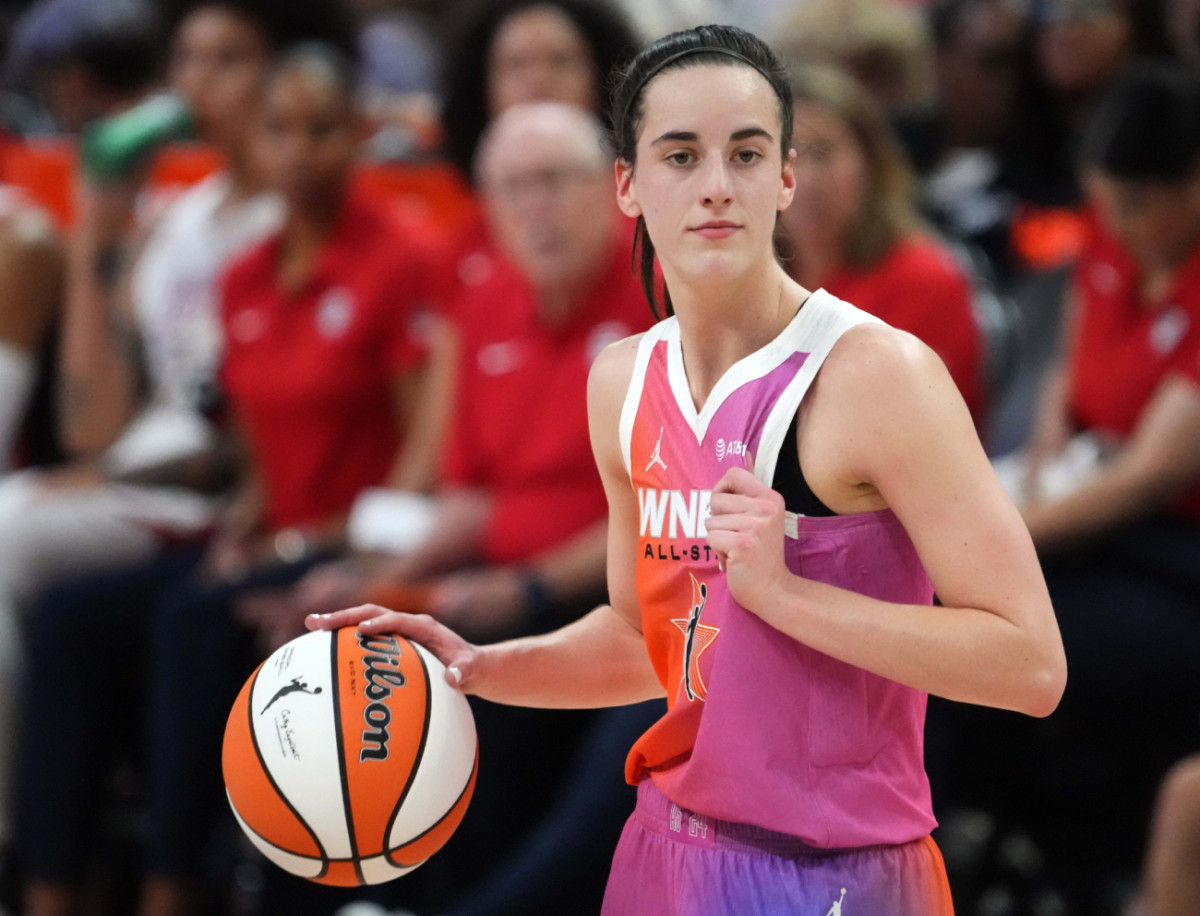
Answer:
(729, 449)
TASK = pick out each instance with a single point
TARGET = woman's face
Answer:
(218, 60)
(832, 179)
(1159, 222)
(309, 138)
(538, 55)
(1081, 43)
(709, 177)
(977, 74)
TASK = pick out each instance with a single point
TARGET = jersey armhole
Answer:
(633, 397)
(834, 319)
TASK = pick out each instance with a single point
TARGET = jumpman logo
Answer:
(836, 909)
(696, 638)
(296, 686)
(656, 456)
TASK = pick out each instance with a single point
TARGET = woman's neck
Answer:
(304, 233)
(244, 180)
(720, 324)
(1158, 278)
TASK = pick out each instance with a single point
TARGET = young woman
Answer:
(794, 650)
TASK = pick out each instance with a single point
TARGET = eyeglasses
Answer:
(1049, 11)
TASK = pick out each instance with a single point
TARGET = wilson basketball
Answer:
(348, 759)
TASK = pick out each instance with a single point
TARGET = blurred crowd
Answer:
(345, 360)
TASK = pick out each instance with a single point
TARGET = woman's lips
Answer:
(717, 230)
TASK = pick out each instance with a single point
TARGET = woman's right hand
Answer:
(462, 659)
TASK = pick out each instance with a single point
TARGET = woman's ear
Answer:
(626, 195)
(787, 189)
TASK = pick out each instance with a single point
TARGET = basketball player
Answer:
(787, 773)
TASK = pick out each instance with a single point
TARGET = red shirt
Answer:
(310, 375)
(1126, 347)
(918, 287)
(520, 427)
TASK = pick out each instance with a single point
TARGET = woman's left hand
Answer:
(746, 530)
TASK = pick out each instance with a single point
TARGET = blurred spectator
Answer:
(506, 53)
(319, 368)
(84, 59)
(1110, 484)
(514, 51)
(31, 267)
(854, 228)
(1076, 48)
(1132, 373)
(884, 44)
(964, 161)
(517, 543)
(30, 286)
(138, 346)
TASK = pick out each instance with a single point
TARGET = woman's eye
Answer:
(748, 156)
(679, 158)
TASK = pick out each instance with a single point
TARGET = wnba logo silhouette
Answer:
(696, 638)
(381, 664)
(296, 686)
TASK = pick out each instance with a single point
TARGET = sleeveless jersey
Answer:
(761, 729)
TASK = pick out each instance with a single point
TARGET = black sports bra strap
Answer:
(789, 479)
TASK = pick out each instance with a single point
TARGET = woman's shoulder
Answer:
(613, 367)
(873, 357)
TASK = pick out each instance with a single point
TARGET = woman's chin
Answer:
(715, 268)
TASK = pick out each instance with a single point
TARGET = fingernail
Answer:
(457, 673)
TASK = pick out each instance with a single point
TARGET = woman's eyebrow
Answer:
(747, 132)
(688, 136)
(685, 136)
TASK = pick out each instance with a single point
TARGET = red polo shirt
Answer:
(520, 428)
(918, 287)
(1125, 347)
(310, 375)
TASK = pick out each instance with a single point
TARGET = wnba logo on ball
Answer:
(381, 670)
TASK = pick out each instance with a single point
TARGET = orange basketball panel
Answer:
(252, 792)
(384, 700)
(339, 873)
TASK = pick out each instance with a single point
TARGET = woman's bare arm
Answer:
(1158, 463)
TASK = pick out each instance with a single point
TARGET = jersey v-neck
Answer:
(751, 366)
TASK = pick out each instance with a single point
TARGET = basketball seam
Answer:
(439, 821)
(262, 762)
(412, 773)
(341, 756)
(322, 859)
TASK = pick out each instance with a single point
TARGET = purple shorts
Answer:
(673, 862)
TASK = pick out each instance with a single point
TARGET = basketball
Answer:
(348, 759)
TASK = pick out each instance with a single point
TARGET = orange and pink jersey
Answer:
(761, 729)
